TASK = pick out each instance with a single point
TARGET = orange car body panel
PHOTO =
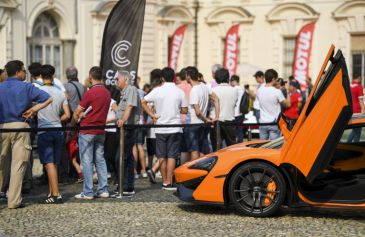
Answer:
(306, 141)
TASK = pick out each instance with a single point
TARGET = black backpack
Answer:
(245, 103)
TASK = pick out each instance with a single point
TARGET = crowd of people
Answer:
(169, 98)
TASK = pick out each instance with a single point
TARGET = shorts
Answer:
(50, 145)
(151, 146)
(168, 145)
(197, 138)
(185, 142)
(140, 136)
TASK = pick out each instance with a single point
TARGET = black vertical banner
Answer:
(122, 41)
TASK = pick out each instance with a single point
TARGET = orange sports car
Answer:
(320, 162)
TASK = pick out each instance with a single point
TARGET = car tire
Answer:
(257, 189)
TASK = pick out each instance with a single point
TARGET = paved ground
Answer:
(154, 212)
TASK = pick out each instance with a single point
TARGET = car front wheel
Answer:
(257, 189)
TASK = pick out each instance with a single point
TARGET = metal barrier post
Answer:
(218, 134)
(121, 163)
(249, 134)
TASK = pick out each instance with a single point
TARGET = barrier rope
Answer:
(127, 126)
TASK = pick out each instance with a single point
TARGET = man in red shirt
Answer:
(357, 94)
(292, 112)
(357, 105)
(92, 111)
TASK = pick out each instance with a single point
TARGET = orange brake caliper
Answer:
(271, 187)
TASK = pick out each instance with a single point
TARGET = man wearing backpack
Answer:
(238, 115)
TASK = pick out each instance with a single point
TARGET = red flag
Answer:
(302, 54)
(175, 45)
(231, 50)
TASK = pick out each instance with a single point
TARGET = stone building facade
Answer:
(69, 32)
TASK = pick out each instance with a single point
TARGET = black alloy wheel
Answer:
(257, 189)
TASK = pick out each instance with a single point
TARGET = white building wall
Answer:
(262, 30)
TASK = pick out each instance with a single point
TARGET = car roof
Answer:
(357, 119)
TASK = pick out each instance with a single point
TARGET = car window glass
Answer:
(274, 144)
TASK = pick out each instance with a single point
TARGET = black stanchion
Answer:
(121, 163)
(249, 134)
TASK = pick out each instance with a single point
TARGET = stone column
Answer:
(68, 55)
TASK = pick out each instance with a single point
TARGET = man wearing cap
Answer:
(357, 105)
(259, 77)
(293, 111)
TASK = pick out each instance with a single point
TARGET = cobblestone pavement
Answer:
(155, 212)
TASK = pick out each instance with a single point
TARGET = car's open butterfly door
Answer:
(311, 143)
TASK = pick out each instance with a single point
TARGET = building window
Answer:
(45, 44)
(289, 48)
(358, 55)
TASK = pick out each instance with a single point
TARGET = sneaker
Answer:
(151, 176)
(79, 180)
(52, 200)
(169, 187)
(129, 192)
(109, 175)
(2, 197)
(144, 175)
(83, 196)
(95, 177)
(103, 195)
(158, 174)
(136, 176)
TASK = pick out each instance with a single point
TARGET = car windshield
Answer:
(274, 144)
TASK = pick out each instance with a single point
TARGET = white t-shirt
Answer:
(228, 97)
(270, 100)
(111, 116)
(168, 100)
(256, 104)
(240, 94)
(56, 82)
(199, 95)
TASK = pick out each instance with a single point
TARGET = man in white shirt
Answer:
(199, 99)
(260, 79)
(270, 99)
(238, 116)
(228, 97)
(169, 102)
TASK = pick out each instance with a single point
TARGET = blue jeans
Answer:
(91, 148)
(129, 141)
(269, 132)
(354, 136)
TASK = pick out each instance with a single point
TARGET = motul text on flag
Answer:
(175, 46)
(122, 41)
(302, 54)
(231, 50)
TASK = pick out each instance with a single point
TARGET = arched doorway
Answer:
(44, 46)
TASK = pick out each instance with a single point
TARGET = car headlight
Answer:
(205, 164)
